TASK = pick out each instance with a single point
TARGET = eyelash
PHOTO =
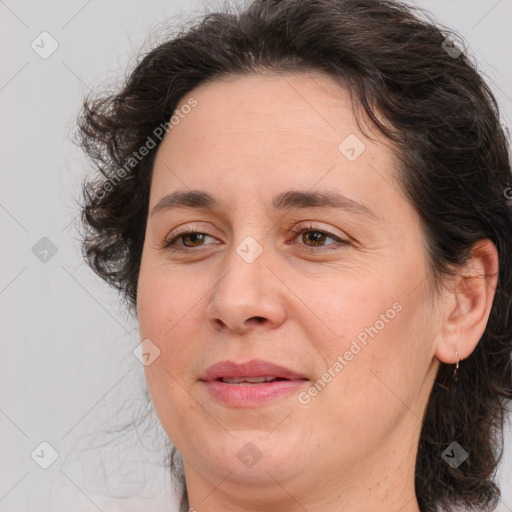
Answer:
(170, 244)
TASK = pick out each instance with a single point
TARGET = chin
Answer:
(250, 457)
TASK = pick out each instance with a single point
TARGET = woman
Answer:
(305, 203)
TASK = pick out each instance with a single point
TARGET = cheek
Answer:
(167, 319)
(380, 367)
(348, 309)
(167, 315)
(180, 415)
(378, 349)
(165, 302)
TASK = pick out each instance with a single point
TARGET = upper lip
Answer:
(253, 368)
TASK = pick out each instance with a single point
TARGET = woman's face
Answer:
(342, 304)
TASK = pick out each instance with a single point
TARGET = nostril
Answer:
(258, 319)
(220, 323)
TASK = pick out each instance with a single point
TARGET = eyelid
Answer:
(190, 227)
(311, 226)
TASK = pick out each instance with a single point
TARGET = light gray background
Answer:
(67, 368)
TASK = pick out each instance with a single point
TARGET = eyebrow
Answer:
(291, 199)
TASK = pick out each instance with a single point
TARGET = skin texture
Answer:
(353, 446)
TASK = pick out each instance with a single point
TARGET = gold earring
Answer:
(455, 376)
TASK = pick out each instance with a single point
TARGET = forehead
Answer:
(261, 132)
(284, 108)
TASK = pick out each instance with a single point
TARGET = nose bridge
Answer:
(246, 276)
(246, 290)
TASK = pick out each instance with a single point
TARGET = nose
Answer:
(248, 296)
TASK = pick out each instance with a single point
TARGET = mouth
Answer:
(250, 384)
(248, 381)
(256, 371)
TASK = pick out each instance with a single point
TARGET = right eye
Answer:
(189, 239)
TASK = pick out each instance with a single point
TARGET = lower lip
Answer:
(252, 394)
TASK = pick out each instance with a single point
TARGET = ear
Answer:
(468, 304)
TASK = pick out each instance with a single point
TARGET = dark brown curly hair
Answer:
(425, 96)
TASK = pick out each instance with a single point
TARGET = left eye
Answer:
(317, 237)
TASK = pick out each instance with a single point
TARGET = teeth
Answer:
(248, 380)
